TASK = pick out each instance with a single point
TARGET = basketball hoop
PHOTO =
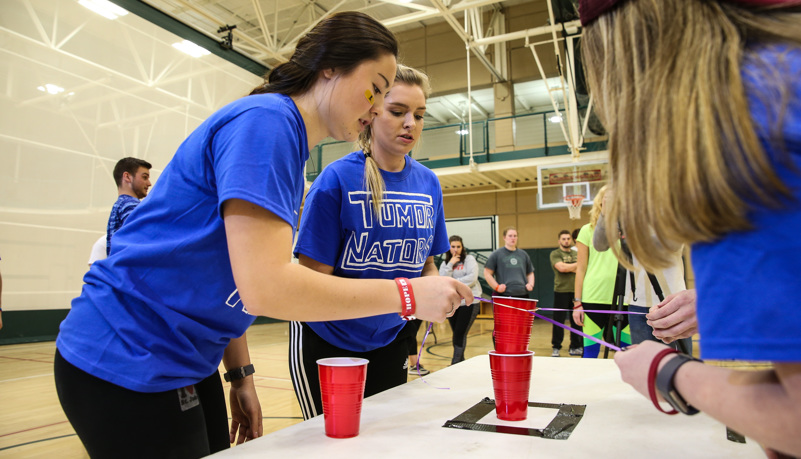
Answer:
(574, 202)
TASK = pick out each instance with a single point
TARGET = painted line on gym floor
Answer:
(50, 362)
(25, 377)
(33, 428)
(36, 441)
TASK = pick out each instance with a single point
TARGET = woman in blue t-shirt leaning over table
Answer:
(211, 248)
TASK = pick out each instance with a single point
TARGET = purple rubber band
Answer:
(599, 311)
(566, 327)
(420, 354)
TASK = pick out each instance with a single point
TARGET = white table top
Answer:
(407, 421)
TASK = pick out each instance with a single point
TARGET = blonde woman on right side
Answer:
(595, 281)
(702, 101)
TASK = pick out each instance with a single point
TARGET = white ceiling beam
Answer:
(38, 24)
(265, 31)
(436, 117)
(289, 47)
(409, 18)
(112, 88)
(294, 21)
(571, 27)
(240, 35)
(451, 20)
(420, 16)
(69, 36)
(475, 172)
(413, 6)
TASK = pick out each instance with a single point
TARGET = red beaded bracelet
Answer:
(652, 378)
(407, 298)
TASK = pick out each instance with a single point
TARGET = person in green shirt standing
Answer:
(564, 261)
(595, 283)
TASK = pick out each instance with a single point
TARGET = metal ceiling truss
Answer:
(273, 43)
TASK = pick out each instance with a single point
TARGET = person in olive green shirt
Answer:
(563, 262)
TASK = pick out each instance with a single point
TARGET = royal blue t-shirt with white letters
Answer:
(339, 228)
(159, 311)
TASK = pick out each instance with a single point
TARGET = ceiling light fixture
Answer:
(104, 8)
(555, 118)
(51, 89)
(190, 48)
(463, 132)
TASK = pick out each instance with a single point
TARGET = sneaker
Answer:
(555, 352)
(576, 351)
(413, 370)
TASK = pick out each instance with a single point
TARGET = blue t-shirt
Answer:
(122, 207)
(158, 313)
(748, 281)
(339, 228)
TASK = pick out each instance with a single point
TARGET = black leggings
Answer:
(461, 321)
(115, 422)
(564, 300)
(385, 370)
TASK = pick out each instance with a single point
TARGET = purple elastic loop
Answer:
(566, 327)
(420, 354)
(599, 311)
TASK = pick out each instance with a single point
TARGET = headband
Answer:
(590, 10)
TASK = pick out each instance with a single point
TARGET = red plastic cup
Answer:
(512, 327)
(342, 387)
(511, 381)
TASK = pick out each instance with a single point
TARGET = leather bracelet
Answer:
(579, 306)
(652, 378)
(239, 373)
(408, 305)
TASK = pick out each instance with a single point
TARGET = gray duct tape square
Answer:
(561, 426)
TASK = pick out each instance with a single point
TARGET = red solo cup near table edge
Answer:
(342, 387)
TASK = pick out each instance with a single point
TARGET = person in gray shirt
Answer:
(509, 270)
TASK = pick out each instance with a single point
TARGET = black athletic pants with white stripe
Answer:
(114, 422)
(387, 367)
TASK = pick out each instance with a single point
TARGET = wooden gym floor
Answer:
(32, 423)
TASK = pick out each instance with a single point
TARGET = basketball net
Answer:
(574, 202)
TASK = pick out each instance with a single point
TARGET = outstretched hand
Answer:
(246, 419)
(635, 362)
(437, 297)
(674, 318)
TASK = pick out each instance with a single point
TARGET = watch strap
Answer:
(239, 373)
(666, 388)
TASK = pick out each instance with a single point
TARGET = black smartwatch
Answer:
(239, 373)
(664, 384)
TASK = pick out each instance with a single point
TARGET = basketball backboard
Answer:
(554, 182)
